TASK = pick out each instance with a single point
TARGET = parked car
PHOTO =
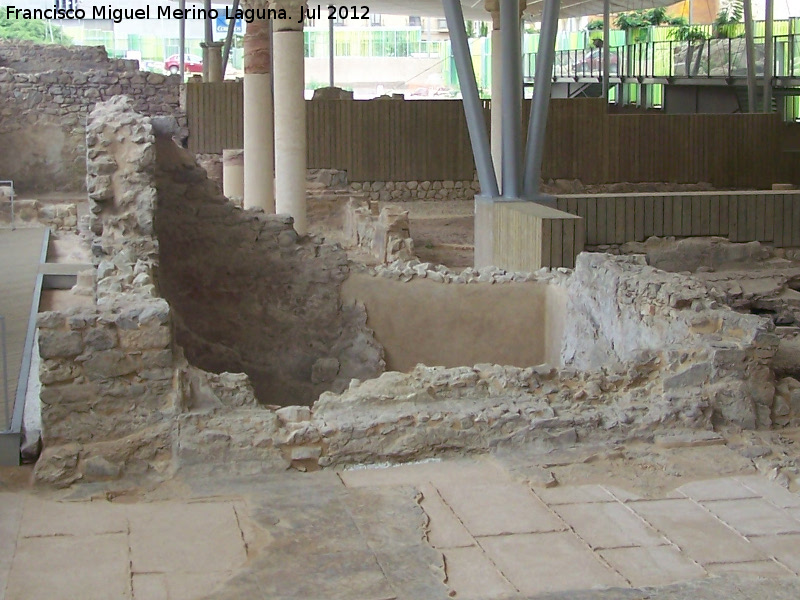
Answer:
(191, 64)
(590, 64)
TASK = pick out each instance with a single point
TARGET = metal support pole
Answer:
(182, 40)
(208, 38)
(511, 97)
(769, 17)
(537, 125)
(473, 109)
(226, 51)
(331, 51)
(6, 411)
(606, 47)
(751, 56)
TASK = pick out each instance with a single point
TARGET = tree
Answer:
(34, 30)
(730, 14)
(594, 25)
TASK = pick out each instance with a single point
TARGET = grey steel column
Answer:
(473, 109)
(537, 125)
(182, 38)
(331, 51)
(751, 56)
(226, 52)
(769, 17)
(606, 46)
(209, 26)
(511, 97)
(208, 38)
(6, 398)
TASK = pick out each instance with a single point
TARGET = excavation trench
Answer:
(249, 296)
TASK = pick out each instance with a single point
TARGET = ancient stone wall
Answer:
(382, 233)
(250, 296)
(621, 309)
(31, 57)
(45, 99)
(404, 191)
(645, 351)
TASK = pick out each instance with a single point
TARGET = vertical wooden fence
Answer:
(395, 140)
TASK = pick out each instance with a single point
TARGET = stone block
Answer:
(100, 338)
(108, 364)
(146, 337)
(324, 369)
(59, 344)
(694, 376)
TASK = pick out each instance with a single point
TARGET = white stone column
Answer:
(290, 116)
(212, 56)
(233, 173)
(259, 169)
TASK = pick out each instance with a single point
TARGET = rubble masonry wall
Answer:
(119, 399)
(46, 95)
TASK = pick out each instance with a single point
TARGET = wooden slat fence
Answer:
(395, 140)
(764, 216)
(215, 115)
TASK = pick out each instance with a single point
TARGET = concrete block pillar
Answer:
(233, 173)
(290, 117)
(259, 168)
(212, 58)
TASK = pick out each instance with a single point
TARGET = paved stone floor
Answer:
(470, 529)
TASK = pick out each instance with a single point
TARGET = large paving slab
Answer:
(784, 548)
(445, 529)
(609, 525)
(754, 516)
(48, 518)
(471, 572)
(93, 567)
(653, 566)
(699, 534)
(10, 518)
(726, 488)
(201, 537)
(547, 562)
(771, 491)
(498, 509)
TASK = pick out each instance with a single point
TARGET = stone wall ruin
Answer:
(46, 94)
(120, 398)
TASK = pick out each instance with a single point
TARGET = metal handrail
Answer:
(10, 184)
(657, 60)
(6, 408)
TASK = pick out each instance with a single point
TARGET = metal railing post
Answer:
(10, 185)
(6, 412)
(730, 59)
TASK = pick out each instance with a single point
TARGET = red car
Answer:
(191, 64)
